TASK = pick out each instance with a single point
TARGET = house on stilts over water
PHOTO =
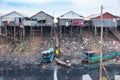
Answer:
(11, 25)
(110, 24)
(43, 23)
(70, 23)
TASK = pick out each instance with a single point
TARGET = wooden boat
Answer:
(90, 57)
(62, 62)
(47, 56)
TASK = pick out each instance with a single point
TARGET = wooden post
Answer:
(41, 31)
(0, 30)
(60, 33)
(51, 31)
(101, 53)
(95, 31)
(5, 34)
(33, 31)
(101, 39)
(23, 33)
(92, 29)
(106, 33)
(70, 30)
(14, 32)
(80, 34)
(64, 31)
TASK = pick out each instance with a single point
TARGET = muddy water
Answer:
(30, 72)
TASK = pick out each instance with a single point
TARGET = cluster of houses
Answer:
(17, 24)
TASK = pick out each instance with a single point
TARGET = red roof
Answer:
(106, 15)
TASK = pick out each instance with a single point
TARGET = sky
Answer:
(57, 8)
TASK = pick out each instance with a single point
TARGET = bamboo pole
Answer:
(101, 65)
(106, 72)
(101, 38)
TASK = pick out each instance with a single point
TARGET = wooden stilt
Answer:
(0, 30)
(41, 31)
(80, 34)
(30, 32)
(70, 31)
(6, 34)
(60, 32)
(51, 32)
(95, 31)
(106, 32)
(64, 29)
(23, 33)
(33, 31)
(92, 29)
(14, 33)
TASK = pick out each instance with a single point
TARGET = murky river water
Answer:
(36, 73)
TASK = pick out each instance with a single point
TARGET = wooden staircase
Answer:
(115, 32)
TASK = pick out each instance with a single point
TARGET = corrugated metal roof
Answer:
(12, 13)
(91, 16)
(40, 13)
(71, 15)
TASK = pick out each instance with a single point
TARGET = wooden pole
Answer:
(106, 72)
(41, 31)
(0, 30)
(95, 31)
(101, 53)
(101, 39)
(6, 34)
(60, 32)
(106, 32)
(14, 33)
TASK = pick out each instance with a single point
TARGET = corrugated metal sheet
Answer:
(30, 23)
(106, 22)
(68, 22)
(71, 15)
(43, 16)
(11, 17)
(70, 18)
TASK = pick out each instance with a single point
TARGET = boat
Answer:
(91, 57)
(47, 56)
(62, 62)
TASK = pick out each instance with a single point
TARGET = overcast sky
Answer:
(59, 7)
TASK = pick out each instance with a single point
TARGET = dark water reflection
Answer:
(73, 73)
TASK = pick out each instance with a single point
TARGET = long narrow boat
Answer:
(90, 57)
